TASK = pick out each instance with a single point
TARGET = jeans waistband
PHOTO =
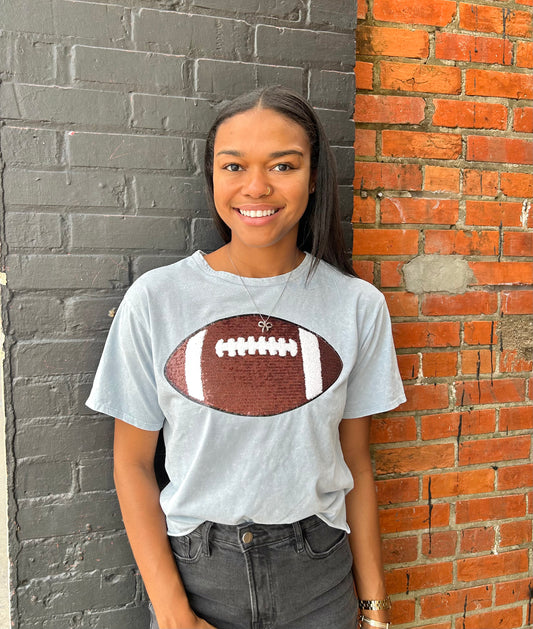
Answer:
(251, 534)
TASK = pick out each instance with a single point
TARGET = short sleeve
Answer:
(374, 384)
(125, 385)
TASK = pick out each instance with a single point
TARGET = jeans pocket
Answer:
(186, 548)
(323, 540)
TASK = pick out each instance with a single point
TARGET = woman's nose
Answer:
(256, 185)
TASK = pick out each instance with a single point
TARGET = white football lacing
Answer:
(251, 346)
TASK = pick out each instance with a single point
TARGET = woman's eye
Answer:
(282, 168)
(232, 168)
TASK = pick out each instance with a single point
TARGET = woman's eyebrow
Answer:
(272, 155)
(228, 152)
(283, 153)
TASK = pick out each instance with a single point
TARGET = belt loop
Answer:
(205, 538)
(298, 536)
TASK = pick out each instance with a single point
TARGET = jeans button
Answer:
(247, 537)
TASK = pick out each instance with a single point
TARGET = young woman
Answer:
(262, 363)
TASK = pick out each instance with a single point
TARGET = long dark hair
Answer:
(319, 231)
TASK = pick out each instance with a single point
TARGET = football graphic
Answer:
(235, 366)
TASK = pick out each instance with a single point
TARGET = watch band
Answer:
(384, 603)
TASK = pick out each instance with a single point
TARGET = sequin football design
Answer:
(235, 367)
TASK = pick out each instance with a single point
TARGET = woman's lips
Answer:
(257, 211)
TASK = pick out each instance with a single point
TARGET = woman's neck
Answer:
(259, 262)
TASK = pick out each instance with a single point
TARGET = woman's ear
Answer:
(312, 182)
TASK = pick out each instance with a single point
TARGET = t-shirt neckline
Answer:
(303, 267)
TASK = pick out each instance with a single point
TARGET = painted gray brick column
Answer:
(104, 109)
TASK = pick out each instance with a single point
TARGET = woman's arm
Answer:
(138, 494)
(362, 515)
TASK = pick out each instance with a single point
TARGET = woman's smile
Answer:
(257, 211)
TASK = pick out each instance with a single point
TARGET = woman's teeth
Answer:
(257, 213)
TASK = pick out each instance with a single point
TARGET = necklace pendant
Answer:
(264, 325)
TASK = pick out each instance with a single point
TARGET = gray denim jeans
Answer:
(257, 576)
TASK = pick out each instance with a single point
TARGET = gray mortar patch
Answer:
(437, 274)
(517, 334)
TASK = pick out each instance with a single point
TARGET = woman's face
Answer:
(262, 177)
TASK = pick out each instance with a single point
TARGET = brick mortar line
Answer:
(10, 429)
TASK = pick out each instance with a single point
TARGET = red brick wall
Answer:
(443, 226)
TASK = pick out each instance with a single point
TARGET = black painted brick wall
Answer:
(104, 110)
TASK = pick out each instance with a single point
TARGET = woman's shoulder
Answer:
(158, 281)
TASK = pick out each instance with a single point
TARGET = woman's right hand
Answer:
(202, 624)
(193, 622)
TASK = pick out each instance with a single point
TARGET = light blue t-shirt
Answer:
(250, 413)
